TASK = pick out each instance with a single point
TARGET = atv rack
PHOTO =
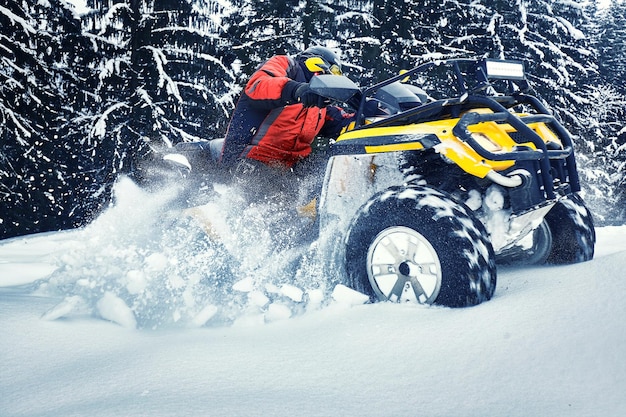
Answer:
(482, 95)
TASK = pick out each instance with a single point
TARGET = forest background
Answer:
(88, 94)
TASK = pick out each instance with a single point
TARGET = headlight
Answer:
(484, 141)
(506, 70)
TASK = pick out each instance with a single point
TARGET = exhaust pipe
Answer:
(514, 179)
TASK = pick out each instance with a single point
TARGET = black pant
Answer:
(280, 193)
(261, 182)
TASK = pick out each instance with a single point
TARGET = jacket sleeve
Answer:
(336, 119)
(270, 86)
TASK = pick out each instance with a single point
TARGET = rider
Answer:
(278, 116)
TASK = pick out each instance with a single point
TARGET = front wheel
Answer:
(416, 244)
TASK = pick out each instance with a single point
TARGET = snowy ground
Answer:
(552, 342)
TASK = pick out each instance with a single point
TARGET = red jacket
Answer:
(269, 126)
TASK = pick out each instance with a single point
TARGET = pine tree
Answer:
(353, 33)
(606, 154)
(260, 29)
(162, 80)
(611, 41)
(43, 68)
(79, 107)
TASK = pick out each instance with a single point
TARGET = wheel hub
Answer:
(403, 266)
(405, 269)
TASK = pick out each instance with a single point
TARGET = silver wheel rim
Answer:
(402, 266)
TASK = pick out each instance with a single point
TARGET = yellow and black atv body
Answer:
(450, 185)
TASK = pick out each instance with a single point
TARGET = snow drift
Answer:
(269, 342)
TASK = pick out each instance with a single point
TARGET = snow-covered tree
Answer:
(603, 157)
(606, 153)
(44, 73)
(162, 80)
(80, 106)
(258, 29)
(611, 44)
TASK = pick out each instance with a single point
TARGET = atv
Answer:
(448, 169)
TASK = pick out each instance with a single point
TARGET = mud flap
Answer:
(351, 179)
(522, 225)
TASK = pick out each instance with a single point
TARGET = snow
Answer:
(100, 126)
(16, 20)
(550, 342)
(79, 7)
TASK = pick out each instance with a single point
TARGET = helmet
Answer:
(320, 59)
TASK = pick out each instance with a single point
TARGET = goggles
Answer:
(317, 64)
(335, 70)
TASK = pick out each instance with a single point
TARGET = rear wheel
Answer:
(573, 233)
(416, 244)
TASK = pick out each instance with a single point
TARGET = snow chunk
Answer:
(316, 298)
(494, 198)
(244, 285)
(112, 308)
(156, 262)
(135, 281)
(65, 307)
(258, 299)
(204, 315)
(474, 201)
(345, 295)
(292, 292)
(276, 312)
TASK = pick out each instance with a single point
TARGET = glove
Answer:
(308, 98)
